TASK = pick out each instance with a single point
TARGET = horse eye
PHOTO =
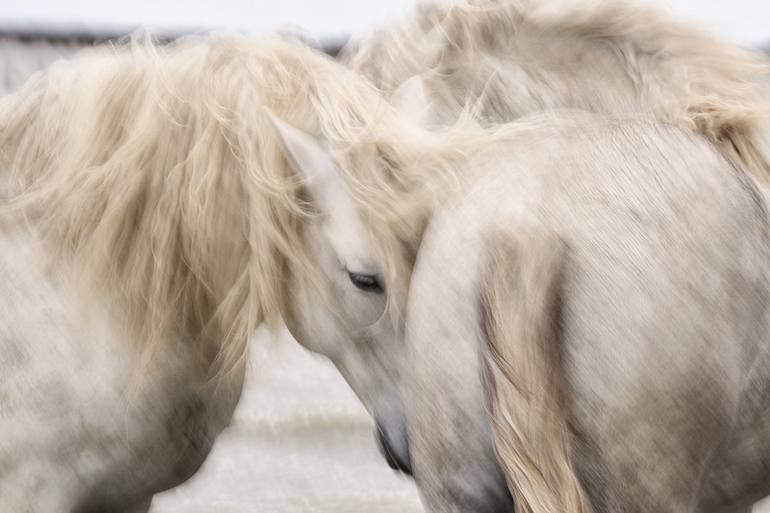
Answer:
(366, 282)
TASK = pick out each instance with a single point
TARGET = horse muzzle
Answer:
(395, 452)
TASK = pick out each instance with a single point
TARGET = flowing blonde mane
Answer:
(606, 56)
(154, 171)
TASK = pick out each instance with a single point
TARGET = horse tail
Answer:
(520, 305)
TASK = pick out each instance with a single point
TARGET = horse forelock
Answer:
(154, 172)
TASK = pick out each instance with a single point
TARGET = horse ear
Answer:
(326, 185)
(312, 162)
(305, 153)
(411, 101)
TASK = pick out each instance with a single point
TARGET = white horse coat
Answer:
(617, 270)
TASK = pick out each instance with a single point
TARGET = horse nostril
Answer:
(392, 457)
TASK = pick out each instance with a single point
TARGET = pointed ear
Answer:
(312, 162)
(411, 101)
(329, 190)
(305, 153)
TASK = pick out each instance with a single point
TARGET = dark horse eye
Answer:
(366, 282)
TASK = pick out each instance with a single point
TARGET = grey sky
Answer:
(744, 21)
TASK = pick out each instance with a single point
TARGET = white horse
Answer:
(150, 222)
(601, 304)
(499, 60)
(638, 418)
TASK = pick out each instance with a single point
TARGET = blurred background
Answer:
(745, 21)
(300, 441)
(35, 32)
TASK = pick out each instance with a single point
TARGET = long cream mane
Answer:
(155, 173)
(512, 57)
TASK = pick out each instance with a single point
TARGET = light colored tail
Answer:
(520, 304)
